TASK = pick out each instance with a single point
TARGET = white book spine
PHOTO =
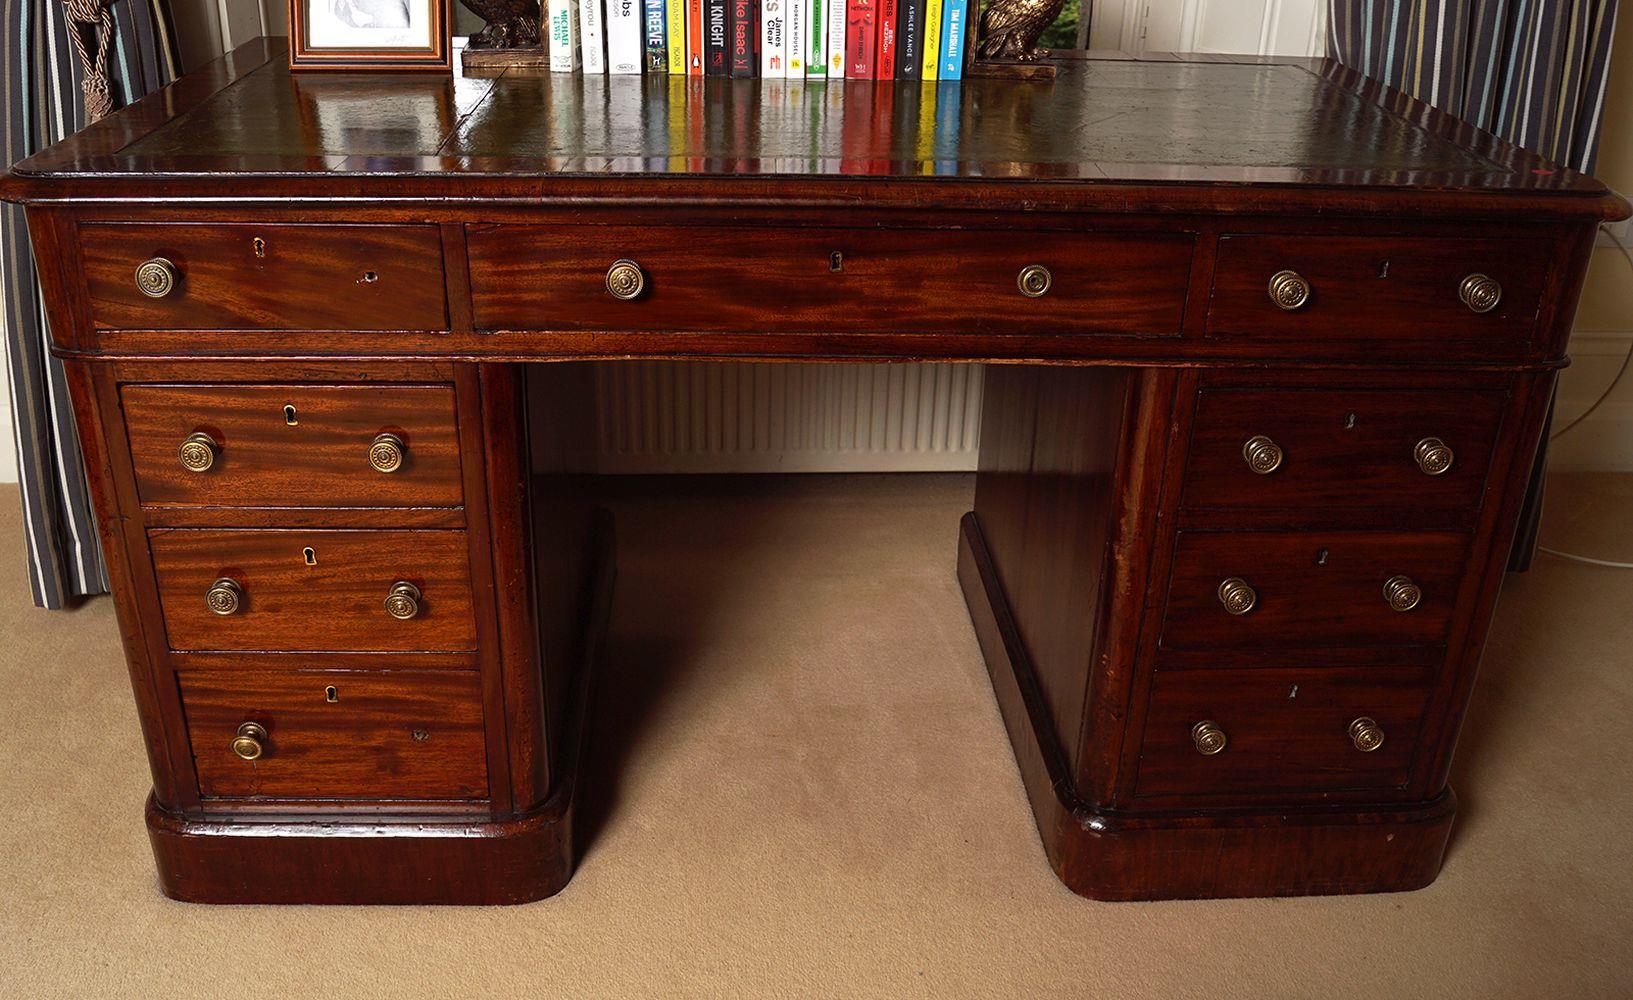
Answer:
(564, 56)
(798, 13)
(592, 36)
(626, 36)
(837, 9)
(773, 40)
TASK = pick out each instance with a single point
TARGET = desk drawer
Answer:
(1390, 291)
(1283, 731)
(827, 281)
(1385, 453)
(265, 277)
(334, 734)
(300, 589)
(1311, 589)
(294, 445)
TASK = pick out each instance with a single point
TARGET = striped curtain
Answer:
(1530, 71)
(41, 102)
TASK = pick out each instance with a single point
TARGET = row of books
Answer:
(796, 39)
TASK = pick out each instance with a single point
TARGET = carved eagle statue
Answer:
(512, 24)
(1010, 28)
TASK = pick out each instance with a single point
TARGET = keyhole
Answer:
(1292, 692)
(1349, 421)
(289, 415)
(369, 278)
(1383, 270)
(259, 245)
(310, 556)
(836, 262)
(420, 735)
(330, 694)
(1320, 557)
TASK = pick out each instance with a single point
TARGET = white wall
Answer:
(1257, 27)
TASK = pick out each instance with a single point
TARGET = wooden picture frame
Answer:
(336, 35)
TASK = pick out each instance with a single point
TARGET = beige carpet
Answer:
(812, 795)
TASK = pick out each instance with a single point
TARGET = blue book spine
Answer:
(657, 36)
(954, 13)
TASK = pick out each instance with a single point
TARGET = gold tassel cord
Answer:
(93, 18)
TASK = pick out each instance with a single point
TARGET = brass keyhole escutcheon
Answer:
(1237, 597)
(1366, 734)
(198, 452)
(156, 277)
(309, 556)
(224, 597)
(368, 278)
(387, 453)
(1289, 290)
(1034, 281)
(836, 262)
(259, 246)
(403, 601)
(331, 694)
(291, 418)
(1208, 738)
(625, 280)
(250, 743)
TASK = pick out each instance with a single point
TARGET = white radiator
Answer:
(704, 417)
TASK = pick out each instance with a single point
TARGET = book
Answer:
(657, 36)
(930, 67)
(884, 63)
(910, 40)
(675, 28)
(953, 32)
(745, 39)
(773, 58)
(714, 36)
(837, 9)
(564, 54)
(816, 49)
(626, 37)
(694, 37)
(861, 39)
(798, 13)
(592, 36)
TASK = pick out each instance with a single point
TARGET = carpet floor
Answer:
(803, 788)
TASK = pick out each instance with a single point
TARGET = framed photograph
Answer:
(369, 34)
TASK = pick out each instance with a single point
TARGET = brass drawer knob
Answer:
(1237, 597)
(1034, 281)
(1366, 735)
(1433, 456)
(1262, 455)
(1289, 290)
(1208, 737)
(625, 280)
(1401, 593)
(250, 743)
(403, 601)
(224, 597)
(198, 452)
(1480, 292)
(387, 452)
(156, 277)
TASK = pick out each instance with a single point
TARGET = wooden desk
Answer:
(1285, 340)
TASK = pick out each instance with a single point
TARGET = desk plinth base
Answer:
(1195, 855)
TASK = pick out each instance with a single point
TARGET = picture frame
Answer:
(370, 35)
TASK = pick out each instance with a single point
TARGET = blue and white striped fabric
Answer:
(41, 101)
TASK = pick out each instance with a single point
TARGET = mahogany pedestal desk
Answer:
(1270, 350)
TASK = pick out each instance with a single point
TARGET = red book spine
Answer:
(884, 64)
(861, 39)
(694, 37)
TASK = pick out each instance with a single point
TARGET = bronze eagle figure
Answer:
(1010, 28)
(512, 24)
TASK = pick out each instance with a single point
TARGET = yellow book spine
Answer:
(931, 70)
(675, 10)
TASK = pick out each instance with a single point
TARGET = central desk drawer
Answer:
(816, 281)
(234, 276)
(333, 734)
(294, 445)
(299, 589)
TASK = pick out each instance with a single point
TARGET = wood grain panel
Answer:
(384, 736)
(309, 277)
(319, 461)
(334, 605)
(782, 279)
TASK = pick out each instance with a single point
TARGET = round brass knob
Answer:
(156, 278)
(250, 744)
(198, 452)
(1289, 290)
(387, 452)
(1401, 593)
(625, 280)
(1480, 292)
(1433, 456)
(403, 600)
(1366, 735)
(1237, 597)
(1208, 737)
(224, 597)
(1034, 281)
(1262, 455)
